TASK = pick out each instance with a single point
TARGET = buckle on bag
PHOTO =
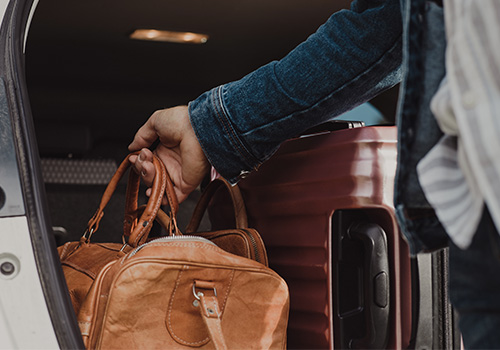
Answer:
(87, 235)
(197, 294)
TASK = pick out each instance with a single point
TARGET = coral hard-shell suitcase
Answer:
(323, 205)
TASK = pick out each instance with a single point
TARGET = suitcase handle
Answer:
(376, 285)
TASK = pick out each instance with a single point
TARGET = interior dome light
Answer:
(169, 36)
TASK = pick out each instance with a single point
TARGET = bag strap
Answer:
(239, 209)
(136, 228)
(210, 313)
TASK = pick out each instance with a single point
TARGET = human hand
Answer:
(179, 150)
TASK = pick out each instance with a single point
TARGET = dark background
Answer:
(91, 86)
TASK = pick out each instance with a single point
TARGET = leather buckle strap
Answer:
(210, 313)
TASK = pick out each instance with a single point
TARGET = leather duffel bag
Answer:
(182, 292)
(234, 299)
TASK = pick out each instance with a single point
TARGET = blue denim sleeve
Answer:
(351, 58)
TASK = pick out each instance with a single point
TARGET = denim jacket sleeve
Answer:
(351, 58)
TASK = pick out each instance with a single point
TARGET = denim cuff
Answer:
(218, 137)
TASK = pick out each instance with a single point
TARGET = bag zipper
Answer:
(183, 238)
(254, 245)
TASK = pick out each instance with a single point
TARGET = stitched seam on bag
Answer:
(193, 245)
(157, 205)
(170, 199)
(170, 328)
(218, 324)
(184, 244)
(66, 247)
(261, 269)
(76, 267)
(223, 307)
(106, 246)
(155, 212)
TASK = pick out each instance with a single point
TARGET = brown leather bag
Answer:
(234, 275)
(184, 291)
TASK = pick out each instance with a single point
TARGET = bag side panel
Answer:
(151, 306)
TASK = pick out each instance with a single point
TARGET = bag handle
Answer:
(136, 228)
(161, 218)
(240, 213)
(131, 204)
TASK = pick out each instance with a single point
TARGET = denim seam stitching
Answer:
(246, 153)
(199, 137)
(223, 119)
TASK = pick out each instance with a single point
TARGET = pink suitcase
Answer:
(323, 205)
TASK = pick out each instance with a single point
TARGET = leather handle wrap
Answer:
(137, 228)
(240, 213)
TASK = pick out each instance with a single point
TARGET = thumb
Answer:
(144, 137)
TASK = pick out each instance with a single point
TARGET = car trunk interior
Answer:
(91, 86)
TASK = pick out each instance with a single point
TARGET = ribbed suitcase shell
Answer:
(291, 200)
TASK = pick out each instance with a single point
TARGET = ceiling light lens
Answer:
(151, 34)
(169, 36)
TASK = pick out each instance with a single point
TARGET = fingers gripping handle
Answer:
(162, 184)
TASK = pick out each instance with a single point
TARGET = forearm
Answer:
(355, 55)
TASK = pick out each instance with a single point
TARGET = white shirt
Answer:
(462, 172)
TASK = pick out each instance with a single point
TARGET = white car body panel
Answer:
(24, 318)
(3, 7)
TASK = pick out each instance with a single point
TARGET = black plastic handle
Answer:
(376, 285)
